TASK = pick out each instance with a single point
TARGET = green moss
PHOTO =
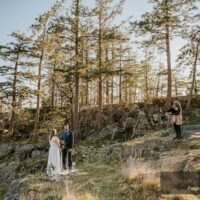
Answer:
(4, 188)
(183, 145)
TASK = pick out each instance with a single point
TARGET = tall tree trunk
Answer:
(158, 87)
(107, 80)
(107, 91)
(37, 114)
(1, 107)
(169, 70)
(195, 87)
(12, 119)
(81, 102)
(100, 102)
(61, 100)
(87, 82)
(135, 92)
(120, 87)
(72, 112)
(76, 96)
(53, 89)
(100, 99)
(120, 75)
(175, 86)
(113, 60)
(194, 75)
(56, 99)
(146, 83)
(130, 92)
(161, 90)
(87, 93)
(126, 91)
(112, 90)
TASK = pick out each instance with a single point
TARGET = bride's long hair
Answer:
(53, 133)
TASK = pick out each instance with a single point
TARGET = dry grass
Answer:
(179, 197)
(141, 173)
(55, 190)
(70, 194)
(151, 181)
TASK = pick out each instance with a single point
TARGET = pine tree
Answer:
(14, 54)
(40, 30)
(159, 26)
(146, 68)
(189, 56)
(104, 16)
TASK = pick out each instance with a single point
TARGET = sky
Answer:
(20, 14)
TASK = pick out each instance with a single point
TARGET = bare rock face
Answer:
(8, 171)
(106, 133)
(129, 120)
(6, 149)
(18, 189)
(37, 154)
(18, 160)
(9, 165)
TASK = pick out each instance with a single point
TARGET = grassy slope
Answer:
(102, 179)
(106, 181)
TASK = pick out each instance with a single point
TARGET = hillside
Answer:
(118, 170)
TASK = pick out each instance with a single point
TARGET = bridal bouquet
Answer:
(62, 144)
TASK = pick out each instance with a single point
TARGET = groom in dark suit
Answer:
(67, 139)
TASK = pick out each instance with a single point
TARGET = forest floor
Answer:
(119, 171)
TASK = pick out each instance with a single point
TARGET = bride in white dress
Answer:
(54, 159)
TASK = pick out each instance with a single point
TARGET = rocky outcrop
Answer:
(124, 122)
(18, 160)
(18, 189)
(132, 120)
(156, 146)
(6, 149)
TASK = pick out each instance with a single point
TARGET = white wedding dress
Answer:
(54, 160)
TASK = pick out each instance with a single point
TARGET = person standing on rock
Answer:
(176, 117)
(67, 141)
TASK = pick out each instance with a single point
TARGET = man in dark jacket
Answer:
(67, 139)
